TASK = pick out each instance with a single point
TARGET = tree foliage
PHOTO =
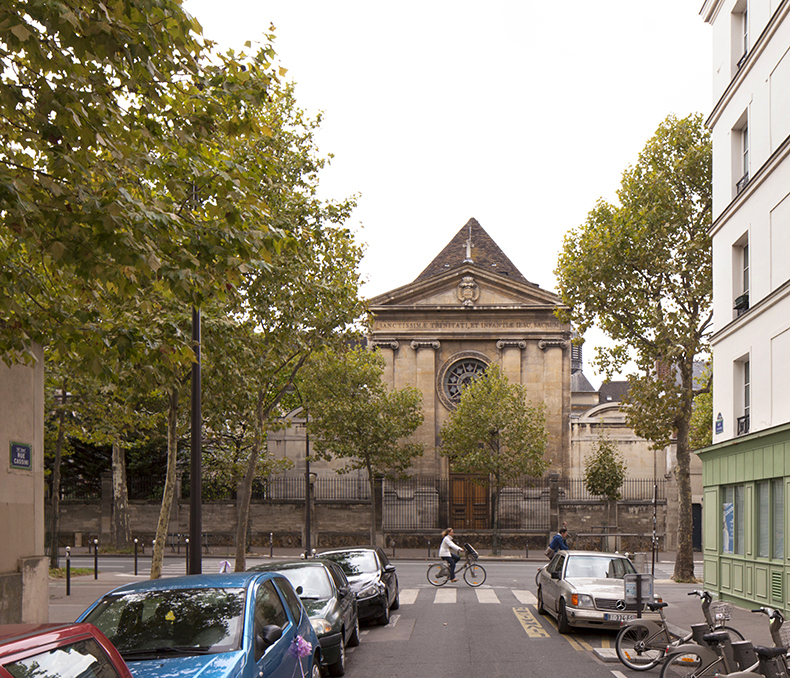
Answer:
(604, 470)
(496, 432)
(354, 417)
(641, 272)
(115, 179)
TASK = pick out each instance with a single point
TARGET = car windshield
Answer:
(314, 581)
(597, 567)
(354, 562)
(204, 620)
(76, 660)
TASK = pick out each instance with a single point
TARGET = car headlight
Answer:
(581, 600)
(370, 590)
(321, 626)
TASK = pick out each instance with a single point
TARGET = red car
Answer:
(61, 650)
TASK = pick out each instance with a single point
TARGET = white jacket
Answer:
(448, 546)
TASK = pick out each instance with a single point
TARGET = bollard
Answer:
(526, 549)
(95, 558)
(186, 550)
(393, 547)
(135, 557)
(68, 570)
(429, 547)
(271, 544)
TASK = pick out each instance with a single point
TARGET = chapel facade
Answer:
(470, 308)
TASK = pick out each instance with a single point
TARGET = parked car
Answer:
(53, 650)
(585, 588)
(242, 624)
(331, 604)
(372, 578)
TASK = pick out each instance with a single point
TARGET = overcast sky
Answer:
(521, 114)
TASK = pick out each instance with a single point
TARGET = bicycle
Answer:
(642, 644)
(474, 574)
(713, 654)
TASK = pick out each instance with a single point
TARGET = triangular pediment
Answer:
(466, 287)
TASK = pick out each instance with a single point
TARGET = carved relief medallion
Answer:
(468, 291)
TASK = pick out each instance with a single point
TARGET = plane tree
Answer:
(495, 432)
(640, 270)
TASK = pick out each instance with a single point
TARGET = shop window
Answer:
(732, 519)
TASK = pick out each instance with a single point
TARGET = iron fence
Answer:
(632, 489)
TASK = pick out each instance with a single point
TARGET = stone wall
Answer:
(347, 523)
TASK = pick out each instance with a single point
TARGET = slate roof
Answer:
(484, 253)
(612, 391)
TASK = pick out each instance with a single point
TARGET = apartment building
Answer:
(747, 469)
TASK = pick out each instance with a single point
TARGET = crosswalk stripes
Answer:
(525, 597)
(445, 596)
(408, 596)
(486, 596)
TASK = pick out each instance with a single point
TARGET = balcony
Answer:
(743, 425)
(741, 304)
(742, 183)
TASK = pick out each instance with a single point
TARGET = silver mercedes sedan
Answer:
(588, 588)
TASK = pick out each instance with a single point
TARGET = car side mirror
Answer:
(343, 591)
(389, 568)
(269, 635)
(555, 575)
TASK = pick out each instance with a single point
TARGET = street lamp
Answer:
(308, 477)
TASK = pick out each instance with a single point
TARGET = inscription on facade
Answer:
(449, 325)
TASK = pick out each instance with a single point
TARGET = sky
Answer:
(521, 114)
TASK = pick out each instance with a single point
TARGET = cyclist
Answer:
(448, 551)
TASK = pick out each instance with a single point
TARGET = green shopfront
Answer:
(746, 484)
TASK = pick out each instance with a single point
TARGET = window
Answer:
(740, 140)
(740, 34)
(742, 394)
(740, 257)
(777, 514)
(732, 519)
(769, 510)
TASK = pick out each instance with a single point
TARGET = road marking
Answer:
(619, 674)
(486, 596)
(408, 596)
(445, 596)
(393, 621)
(531, 625)
(525, 597)
(576, 646)
(605, 642)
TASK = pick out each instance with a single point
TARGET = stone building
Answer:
(471, 307)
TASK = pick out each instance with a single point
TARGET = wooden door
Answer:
(469, 502)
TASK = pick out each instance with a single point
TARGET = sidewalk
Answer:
(683, 610)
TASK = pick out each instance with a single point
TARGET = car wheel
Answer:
(541, 609)
(353, 639)
(339, 667)
(562, 619)
(315, 671)
(384, 619)
(396, 603)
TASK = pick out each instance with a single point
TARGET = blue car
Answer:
(237, 625)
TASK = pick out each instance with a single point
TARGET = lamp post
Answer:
(292, 388)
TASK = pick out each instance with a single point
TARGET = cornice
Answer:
(764, 305)
(751, 57)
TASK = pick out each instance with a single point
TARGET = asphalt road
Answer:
(455, 631)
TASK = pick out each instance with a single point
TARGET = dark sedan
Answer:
(330, 603)
(373, 580)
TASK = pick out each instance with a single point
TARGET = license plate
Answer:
(618, 617)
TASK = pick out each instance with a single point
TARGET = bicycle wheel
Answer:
(687, 665)
(635, 649)
(438, 575)
(474, 575)
(734, 634)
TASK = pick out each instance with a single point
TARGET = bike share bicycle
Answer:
(713, 654)
(474, 574)
(642, 643)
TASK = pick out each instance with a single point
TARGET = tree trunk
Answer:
(55, 504)
(496, 537)
(372, 484)
(684, 560)
(170, 485)
(244, 494)
(122, 535)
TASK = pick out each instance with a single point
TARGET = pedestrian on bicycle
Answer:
(448, 551)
